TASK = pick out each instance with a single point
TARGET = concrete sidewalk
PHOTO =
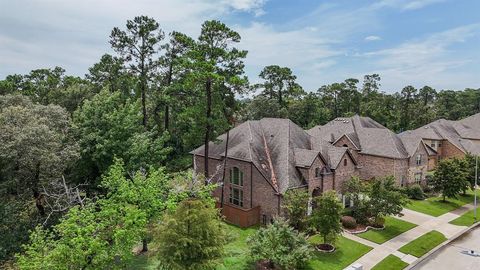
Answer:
(425, 224)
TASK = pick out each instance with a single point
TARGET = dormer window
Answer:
(318, 172)
(236, 176)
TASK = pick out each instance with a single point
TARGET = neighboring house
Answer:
(449, 138)
(379, 151)
(422, 158)
(266, 158)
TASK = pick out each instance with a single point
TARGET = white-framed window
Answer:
(418, 178)
(419, 160)
(236, 176)
(236, 196)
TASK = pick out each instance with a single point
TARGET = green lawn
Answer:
(434, 206)
(237, 251)
(391, 262)
(393, 227)
(347, 252)
(423, 244)
(466, 219)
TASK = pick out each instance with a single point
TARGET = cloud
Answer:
(254, 6)
(406, 4)
(372, 38)
(431, 60)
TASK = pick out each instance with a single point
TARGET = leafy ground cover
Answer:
(423, 244)
(393, 227)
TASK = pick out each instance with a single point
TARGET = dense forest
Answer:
(137, 113)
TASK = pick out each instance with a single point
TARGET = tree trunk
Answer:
(167, 107)
(224, 169)
(208, 89)
(144, 98)
(144, 245)
(36, 194)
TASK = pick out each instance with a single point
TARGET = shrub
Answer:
(415, 192)
(378, 222)
(349, 222)
(280, 245)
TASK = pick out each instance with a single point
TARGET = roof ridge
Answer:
(251, 140)
(273, 178)
(395, 145)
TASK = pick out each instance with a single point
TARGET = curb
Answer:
(441, 246)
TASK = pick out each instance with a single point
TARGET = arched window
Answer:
(345, 145)
(345, 162)
(318, 172)
(236, 176)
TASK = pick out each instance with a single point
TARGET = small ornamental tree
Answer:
(192, 236)
(326, 217)
(449, 178)
(280, 246)
(354, 189)
(295, 206)
(385, 199)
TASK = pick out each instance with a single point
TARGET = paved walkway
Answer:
(425, 223)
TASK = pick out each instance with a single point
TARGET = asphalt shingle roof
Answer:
(276, 147)
(371, 137)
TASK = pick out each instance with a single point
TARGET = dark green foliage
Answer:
(281, 245)
(192, 236)
(108, 127)
(295, 206)
(415, 192)
(450, 178)
(385, 199)
(326, 217)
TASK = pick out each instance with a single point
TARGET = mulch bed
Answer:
(363, 228)
(327, 248)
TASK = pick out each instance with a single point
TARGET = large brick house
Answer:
(266, 158)
(448, 138)
(379, 151)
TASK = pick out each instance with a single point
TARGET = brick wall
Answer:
(345, 141)
(449, 150)
(257, 191)
(344, 172)
(375, 166)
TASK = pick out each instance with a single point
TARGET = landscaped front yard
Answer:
(237, 257)
(393, 227)
(434, 206)
(391, 262)
(423, 244)
(346, 253)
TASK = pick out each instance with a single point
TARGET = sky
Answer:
(407, 42)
